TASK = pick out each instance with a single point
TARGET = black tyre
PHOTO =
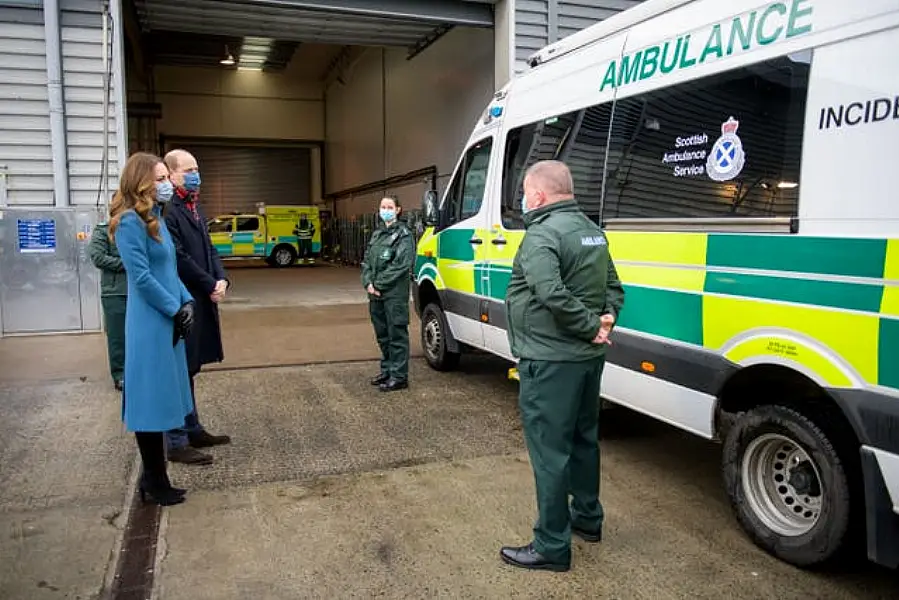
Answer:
(787, 486)
(283, 256)
(434, 332)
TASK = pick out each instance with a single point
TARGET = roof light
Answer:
(787, 185)
(496, 111)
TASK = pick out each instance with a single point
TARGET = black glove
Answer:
(183, 321)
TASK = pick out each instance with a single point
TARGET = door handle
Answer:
(475, 241)
(498, 241)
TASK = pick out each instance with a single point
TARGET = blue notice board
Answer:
(36, 236)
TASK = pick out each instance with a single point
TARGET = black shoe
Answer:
(162, 497)
(394, 384)
(204, 439)
(119, 384)
(380, 379)
(528, 558)
(189, 456)
(594, 537)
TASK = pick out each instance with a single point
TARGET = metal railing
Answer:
(344, 240)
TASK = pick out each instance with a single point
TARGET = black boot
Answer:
(381, 378)
(204, 439)
(391, 385)
(155, 486)
(526, 557)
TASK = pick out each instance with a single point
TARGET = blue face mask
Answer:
(192, 181)
(388, 215)
(164, 191)
(524, 205)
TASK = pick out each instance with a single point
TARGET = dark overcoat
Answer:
(199, 267)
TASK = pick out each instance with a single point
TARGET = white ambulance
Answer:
(742, 158)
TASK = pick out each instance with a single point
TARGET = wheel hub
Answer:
(432, 337)
(782, 485)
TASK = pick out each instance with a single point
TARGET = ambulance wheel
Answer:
(434, 332)
(787, 485)
(283, 256)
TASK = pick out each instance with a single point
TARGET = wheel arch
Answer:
(426, 293)
(769, 383)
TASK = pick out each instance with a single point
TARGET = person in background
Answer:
(113, 297)
(156, 394)
(200, 268)
(305, 231)
(562, 302)
(386, 272)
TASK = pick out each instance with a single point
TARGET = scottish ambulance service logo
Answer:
(726, 159)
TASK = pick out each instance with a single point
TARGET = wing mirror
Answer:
(429, 210)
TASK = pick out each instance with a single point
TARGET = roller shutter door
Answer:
(236, 178)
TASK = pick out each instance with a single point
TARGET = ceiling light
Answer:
(228, 60)
(787, 185)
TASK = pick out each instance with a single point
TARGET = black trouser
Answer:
(152, 454)
(114, 318)
(559, 404)
(390, 319)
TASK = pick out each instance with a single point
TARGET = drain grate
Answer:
(136, 561)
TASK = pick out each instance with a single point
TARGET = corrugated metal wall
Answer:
(24, 109)
(542, 22)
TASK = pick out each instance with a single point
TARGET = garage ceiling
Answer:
(344, 22)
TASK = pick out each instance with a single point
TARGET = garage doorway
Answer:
(237, 176)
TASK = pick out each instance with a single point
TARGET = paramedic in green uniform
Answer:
(562, 301)
(113, 297)
(305, 231)
(386, 271)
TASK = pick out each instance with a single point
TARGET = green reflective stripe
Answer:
(888, 353)
(259, 248)
(454, 244)
(287, 239)
(316, 246)
(223, 248)
(824, 256)
(243, 238)
(421, 261)
(852, 296)
(499, 282)
(666, 313)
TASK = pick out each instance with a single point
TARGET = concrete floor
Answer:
(333, 490)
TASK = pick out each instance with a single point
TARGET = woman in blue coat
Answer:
(159, 313)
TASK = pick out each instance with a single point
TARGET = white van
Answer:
(740, 156)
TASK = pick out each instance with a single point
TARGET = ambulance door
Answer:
(248, 235)
(461, 246)
(220, 231)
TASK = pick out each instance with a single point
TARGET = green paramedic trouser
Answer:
(390, 319)
(559, 404)
(114, 318)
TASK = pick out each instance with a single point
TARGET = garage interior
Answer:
(297, 103)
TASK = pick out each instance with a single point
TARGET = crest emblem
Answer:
(726, 159)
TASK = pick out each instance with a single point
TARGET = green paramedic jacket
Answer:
(388, 261)
(563, 280)
(105, 256)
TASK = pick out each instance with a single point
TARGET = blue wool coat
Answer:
(157, 389)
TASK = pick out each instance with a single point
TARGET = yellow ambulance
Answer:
(741, 157)
(282, 235)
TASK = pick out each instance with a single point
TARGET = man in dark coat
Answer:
(200, 268)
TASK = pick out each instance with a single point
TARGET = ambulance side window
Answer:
(247, 223)
(466, 193)
(219, 225)
(526, 145)
(727, 145)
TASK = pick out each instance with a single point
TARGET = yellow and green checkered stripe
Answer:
(706, 289)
